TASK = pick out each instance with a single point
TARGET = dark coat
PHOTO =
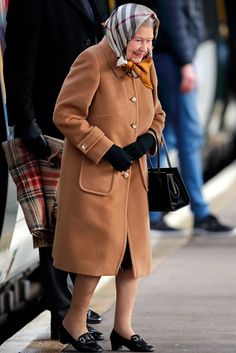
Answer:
(43, 39)
(181, 28)
(148, 3)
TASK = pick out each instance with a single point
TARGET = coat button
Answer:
(125, 175)
(133, 125)
(133, 99)
(83, 146)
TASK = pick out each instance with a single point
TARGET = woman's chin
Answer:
(137, 60)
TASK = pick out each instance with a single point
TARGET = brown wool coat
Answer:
(100, 208)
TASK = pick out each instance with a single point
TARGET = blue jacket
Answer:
(181, 28)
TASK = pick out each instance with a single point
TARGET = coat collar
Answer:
(111, 58)
(78, 4)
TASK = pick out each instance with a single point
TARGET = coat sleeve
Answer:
(20, 58)
(73, 104)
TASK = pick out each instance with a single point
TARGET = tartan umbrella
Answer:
(36, 182)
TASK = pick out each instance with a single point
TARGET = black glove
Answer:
(34, 140)
(118, 158)
(138, 148)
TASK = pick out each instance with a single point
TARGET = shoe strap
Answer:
(137, 338)
(86, 337)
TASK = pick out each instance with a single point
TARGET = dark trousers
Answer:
(55, 292)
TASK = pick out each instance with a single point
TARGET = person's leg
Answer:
(123, 333)
(126, 290)
(93, 318)
(56, 295)
(189, 140)
(75, 319)
(55, 292)
(182, 129)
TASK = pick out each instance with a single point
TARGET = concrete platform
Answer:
(188, 303)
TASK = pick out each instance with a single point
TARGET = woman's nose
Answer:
(144, 46)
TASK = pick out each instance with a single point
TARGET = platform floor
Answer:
(188, 303)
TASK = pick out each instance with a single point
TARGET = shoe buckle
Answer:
(136, 338)
(82, 340)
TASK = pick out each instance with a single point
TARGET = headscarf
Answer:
(121, 27)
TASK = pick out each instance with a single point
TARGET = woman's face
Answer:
(140, 44)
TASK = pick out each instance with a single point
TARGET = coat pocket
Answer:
(96, 178)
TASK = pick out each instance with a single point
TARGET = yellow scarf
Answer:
(142, 70)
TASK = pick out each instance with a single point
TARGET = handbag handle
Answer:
(158, 152)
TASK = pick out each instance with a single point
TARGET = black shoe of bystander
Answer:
(93, 318)
(97, 335)
(162, 226)
(211, 225)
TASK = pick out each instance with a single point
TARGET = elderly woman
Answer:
(110, 115)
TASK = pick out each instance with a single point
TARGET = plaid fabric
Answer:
(36, 182)
(122, 25)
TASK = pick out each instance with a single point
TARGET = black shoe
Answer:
(93, 318)
(97, 335)
(210, 224)
(85, 342)
(135, 344)
(56, 320)
(162, 226)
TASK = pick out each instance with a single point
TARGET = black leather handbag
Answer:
(166, 189)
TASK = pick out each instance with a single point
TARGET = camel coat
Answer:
(100, 209)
